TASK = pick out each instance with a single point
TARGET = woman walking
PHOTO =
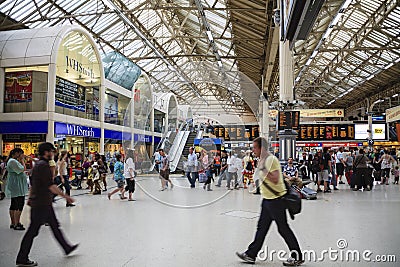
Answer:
(17, 186)
(63, 178)
(129, 173)
(118, 178)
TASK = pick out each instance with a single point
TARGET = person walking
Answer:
(192, 167)
(224, 167)
(63, 178)
(17, 186)
(361, 172)
(232, 171)
(118, 178)
(386, 162)
(164, 170)
(129, 173)
(40, 200)
(273, 207)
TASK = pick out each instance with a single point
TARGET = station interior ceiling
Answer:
(219, 55)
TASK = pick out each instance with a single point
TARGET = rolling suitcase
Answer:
(308, 193)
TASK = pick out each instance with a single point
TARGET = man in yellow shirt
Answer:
(273, 207)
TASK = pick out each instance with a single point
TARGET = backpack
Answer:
(315, 164)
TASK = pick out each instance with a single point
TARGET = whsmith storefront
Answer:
(52, 89)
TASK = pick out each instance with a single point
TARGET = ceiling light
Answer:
(370, 77)
(346, 4)
(219, 63)
(327, 33)
(397, 60)
(314, 53)
(395, 95)
(336, 19)
(388, 66)
(209, 35)
(298, 78)
(309, 61)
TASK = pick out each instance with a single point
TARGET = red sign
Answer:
(18, 87)
(350, 144)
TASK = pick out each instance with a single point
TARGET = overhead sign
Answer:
(322, 113)
(393, 114)
(378, 131)
(314, 113)
(288, 120)
(76, 130)
(329, 132)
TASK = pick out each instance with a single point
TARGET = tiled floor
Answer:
(193, 227)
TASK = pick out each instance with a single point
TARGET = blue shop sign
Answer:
(157, 139)
(76, 130)
(116, 135)
(23, 127)
(143, 138)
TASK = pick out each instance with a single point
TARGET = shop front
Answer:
(115, 142)
(25, 135)
(78, 140)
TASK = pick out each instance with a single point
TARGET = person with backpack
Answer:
(273, 207)
(325, 168)
(361, 172)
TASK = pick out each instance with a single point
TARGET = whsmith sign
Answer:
(76, 130)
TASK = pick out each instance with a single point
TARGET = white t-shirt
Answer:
(128, 165)
(339, 156)
(232, 167)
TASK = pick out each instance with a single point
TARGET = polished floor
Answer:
(193, 227)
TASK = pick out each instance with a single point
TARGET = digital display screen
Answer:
(330, 132)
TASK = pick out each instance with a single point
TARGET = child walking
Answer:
(396, 175)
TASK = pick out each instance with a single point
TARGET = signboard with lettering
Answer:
(288, 120)
(393, 114)
(76, 130)
(313, 113)
(321, 132)
(70, 95)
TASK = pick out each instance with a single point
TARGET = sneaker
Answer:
(319, 190)
(335, 188)
(293, 262)
(12, 226)
(327, 191)
(209, 189)
(74, 247)
(19, 227)
(69, 205)
(27, 263)
(341, 182)
(246, 258)
(218, 185)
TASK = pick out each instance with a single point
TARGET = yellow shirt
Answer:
(271, 164)
(52, 163)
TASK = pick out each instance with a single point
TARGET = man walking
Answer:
(273, 207)
(192, 167)
(40, 199)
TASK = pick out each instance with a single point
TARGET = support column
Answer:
(2, 92)
(286, 92)
(287, 138)
(102, 102)
(132, 118)
(264, 121)
(51, 102)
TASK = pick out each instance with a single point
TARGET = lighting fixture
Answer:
(395, 95)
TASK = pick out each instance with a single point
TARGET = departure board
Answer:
(237, 132)
(288, 120)
(330, 132)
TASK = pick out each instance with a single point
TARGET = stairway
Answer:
(185, 153)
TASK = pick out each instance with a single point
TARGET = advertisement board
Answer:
(18, 87)
(111, 108)
(378, 131)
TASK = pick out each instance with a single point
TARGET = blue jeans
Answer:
(274, 210)
(192, 178)
(64, 185)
